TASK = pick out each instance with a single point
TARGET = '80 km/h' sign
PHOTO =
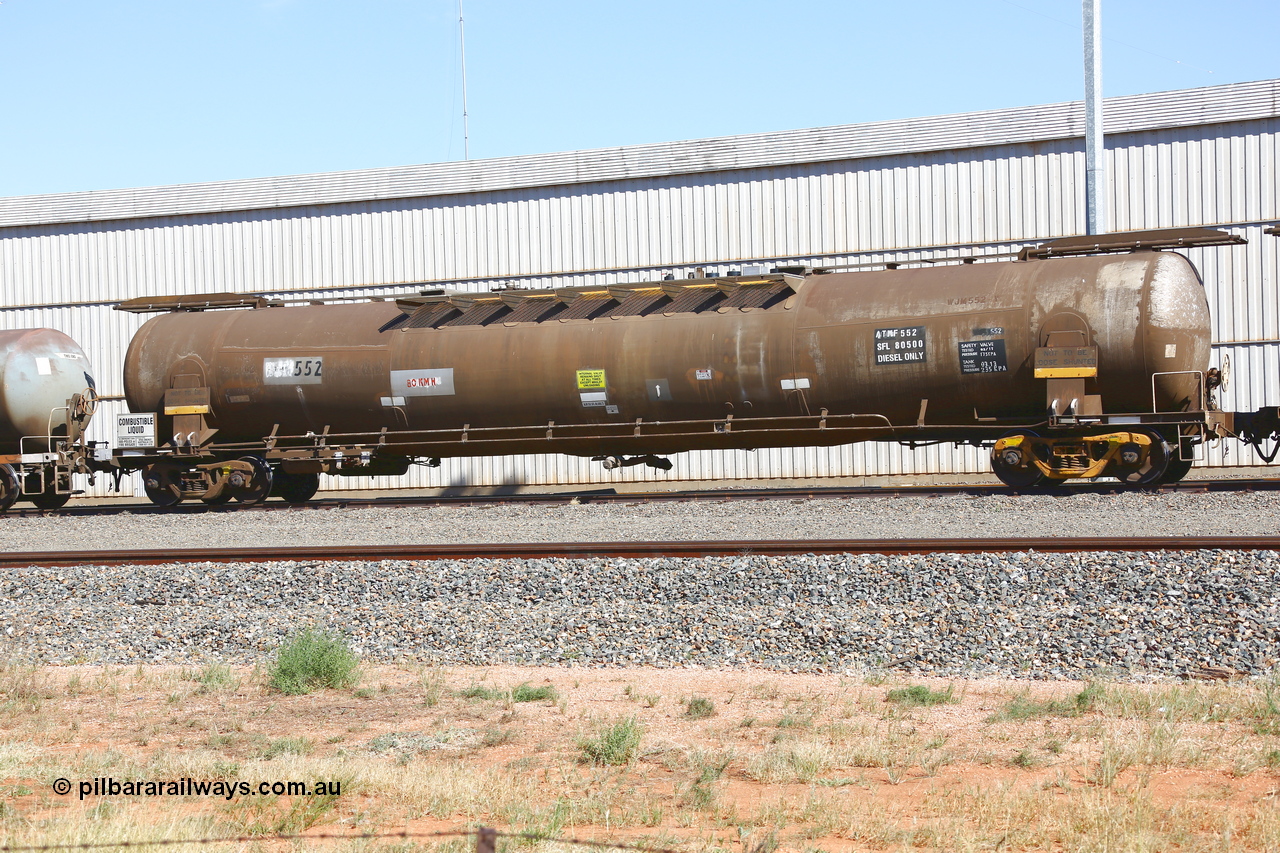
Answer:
(422, 382)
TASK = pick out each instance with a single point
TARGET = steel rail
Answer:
(689, 549)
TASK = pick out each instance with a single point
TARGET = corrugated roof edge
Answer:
(1127, 114)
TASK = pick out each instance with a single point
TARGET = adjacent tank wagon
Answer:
(1083, 357)
(47, 397)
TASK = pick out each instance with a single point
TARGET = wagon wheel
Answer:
(1015, 469)
(163, 483)
(251, 488)
(1178, 468)
(9, 488)
(295, 488)
(50, 499)
(44, 493)
(1151, 470)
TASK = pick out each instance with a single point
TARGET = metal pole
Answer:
(1094, 150)
(466, 132)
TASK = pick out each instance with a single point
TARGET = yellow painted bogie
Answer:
(1078, 456)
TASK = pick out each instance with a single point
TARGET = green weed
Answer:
(618, 743)
(287, 746)
(312, 660)
(1021, 707)
(526, 692)
(919, 695)
(217, 678)
(479, 691)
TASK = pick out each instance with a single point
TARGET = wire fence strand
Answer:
(481, 834)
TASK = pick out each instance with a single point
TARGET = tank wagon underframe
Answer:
(1081, 357)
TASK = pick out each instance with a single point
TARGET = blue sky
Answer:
(102, 94)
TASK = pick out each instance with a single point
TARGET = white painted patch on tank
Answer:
(1113, 305)
(815, 352)
(1124, 275)
(1177, 300)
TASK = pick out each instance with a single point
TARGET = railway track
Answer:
(637, 549)
(609, 495)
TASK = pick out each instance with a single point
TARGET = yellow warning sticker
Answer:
(590, 379)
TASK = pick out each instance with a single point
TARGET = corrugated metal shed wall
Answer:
(918, 204)
(1128, 114)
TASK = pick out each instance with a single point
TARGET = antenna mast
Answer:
(466, 134)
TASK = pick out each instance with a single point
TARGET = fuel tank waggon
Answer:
(47, 398)
(41, 370)
(964, 352)
(962, 337)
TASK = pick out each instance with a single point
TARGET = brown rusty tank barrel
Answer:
(40, 371)
(963, 337)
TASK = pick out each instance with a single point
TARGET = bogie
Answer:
(1142, 457)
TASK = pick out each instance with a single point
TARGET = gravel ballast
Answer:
(909, 517)
(1021, 615)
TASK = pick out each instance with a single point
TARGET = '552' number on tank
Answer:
(292, 371)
